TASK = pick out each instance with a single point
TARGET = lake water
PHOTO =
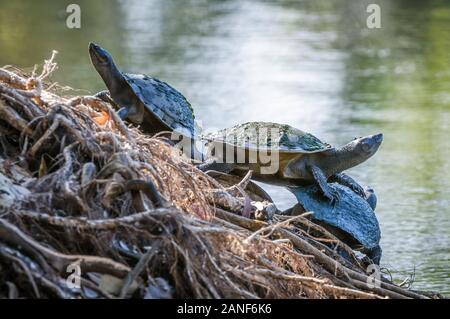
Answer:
(311, 64)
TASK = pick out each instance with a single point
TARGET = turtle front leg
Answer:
(321, 180)
(349, 182)
(371, 198)
(106, 97)
(103, 95)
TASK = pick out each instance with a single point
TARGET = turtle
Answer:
(151, 103)
(280, 154)
(352, 219)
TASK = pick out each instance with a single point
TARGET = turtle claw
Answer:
(358, 190)
(103, 95)
(349, 182)
(335, 199)
(333, 195)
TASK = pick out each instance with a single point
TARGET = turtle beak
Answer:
(98, 54)
(378, 138)
(93, 47)
(370, 144)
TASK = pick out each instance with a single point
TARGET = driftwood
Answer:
(79, 189)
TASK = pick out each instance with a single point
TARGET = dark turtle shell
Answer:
(351, 214)
(269, 136)
(165, 102)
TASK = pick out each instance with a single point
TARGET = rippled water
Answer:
(311, 64)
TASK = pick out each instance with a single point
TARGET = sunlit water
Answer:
(311, 64)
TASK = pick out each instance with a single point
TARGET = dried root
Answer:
(79, 189)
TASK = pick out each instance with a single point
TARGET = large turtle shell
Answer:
(165, 102)
(267, 136)
(351, 214)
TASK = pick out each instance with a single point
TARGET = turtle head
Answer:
(104, 64)
(367, 146)
(361, 149)
(356, 152)
(100, 57)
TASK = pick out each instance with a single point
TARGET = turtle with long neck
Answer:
(148, 102)
(283, 155)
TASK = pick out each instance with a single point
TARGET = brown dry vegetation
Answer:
(138, 218)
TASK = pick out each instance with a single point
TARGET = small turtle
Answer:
(282, 155)
(143, 100)
(352, 219)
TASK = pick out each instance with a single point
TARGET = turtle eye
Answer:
(365, 147)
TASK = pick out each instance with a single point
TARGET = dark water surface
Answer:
(311, 64)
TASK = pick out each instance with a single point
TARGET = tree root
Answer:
(13, 118)
(83, 224)
(60, 262)
(132, 213)
(357, 279)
